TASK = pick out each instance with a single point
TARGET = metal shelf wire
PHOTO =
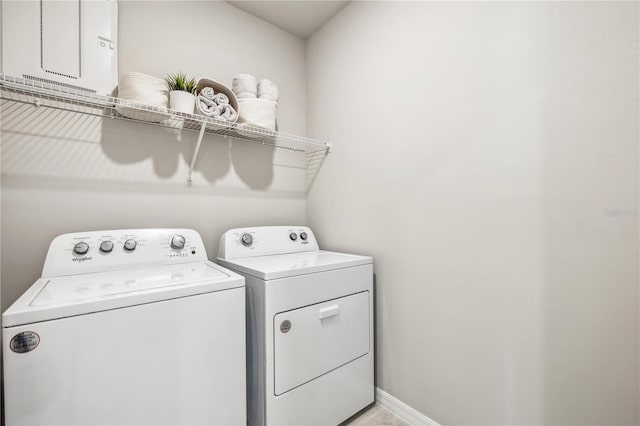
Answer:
(58, 96)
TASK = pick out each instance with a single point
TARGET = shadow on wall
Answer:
(165, 147)
(60, 149)
(214, 159)
(258, 174)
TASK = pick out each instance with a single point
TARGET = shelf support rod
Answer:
(195, 152)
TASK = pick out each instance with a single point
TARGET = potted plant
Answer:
(181, 92)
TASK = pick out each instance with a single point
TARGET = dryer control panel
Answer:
(99, 251)
(266, 240)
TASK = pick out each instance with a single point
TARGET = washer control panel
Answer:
(98, 251)
(266, 240)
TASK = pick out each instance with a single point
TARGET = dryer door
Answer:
(316, 339)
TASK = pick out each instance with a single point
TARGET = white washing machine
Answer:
(309, 326)
(128, 327)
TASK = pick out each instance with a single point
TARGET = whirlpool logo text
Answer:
(82, 259)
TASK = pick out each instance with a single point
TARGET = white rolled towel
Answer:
(208, 93)
(257, 112)
(267, 89)
(227, 112)
(244, 86)
(208, 107)
(221, 99)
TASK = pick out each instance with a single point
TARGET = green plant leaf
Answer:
(179, 81)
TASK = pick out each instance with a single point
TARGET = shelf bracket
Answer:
(195, 152)
(37, 102)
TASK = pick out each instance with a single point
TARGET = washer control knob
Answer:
(106, 246)
(177, 242)
(130, 245)
(81, 248)
(293, 236)
(246, 239)
(303, 236)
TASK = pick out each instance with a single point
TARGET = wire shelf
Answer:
(51, 95)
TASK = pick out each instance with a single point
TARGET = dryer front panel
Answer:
(316, 339)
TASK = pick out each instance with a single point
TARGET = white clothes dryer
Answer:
(127, 327)
(309, 326)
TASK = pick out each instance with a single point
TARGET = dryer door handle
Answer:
(328, 311)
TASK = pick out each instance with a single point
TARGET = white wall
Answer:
(486, 155)
(66, 172)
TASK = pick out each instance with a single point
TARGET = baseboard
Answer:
(402, 410)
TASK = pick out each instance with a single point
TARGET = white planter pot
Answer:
(182, 101)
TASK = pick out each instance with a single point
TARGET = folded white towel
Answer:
(207, 92)
(142, 81)
(267, 89)
(143, 89)
(208, 107)
(221, 99)
(228, 113)
(150, 98)
(245, 86)
(257, 112)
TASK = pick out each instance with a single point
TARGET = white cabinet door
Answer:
(316, 339)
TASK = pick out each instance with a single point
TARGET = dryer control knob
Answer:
(177, 242)
(246, 239)
(106, 246)
(81, 248)
(293, 236)
(303, 235)
(130, 245)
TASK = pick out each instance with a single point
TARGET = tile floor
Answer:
(376, 416)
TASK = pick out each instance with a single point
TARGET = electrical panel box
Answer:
(68, 42)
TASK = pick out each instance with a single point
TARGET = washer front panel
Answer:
(179, 362)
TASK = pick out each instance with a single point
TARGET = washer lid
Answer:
(51, 298)
(292, 264)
